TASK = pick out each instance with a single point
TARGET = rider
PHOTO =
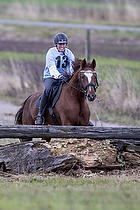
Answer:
(58, 60)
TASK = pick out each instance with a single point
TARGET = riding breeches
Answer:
(48, 85)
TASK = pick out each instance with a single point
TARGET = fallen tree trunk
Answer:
(128, 145)
(30, 158)
(34, 156)
(44, 131)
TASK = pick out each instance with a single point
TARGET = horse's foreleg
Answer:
(84, 116)
(70, 120)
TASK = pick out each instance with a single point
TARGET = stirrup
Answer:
(39, 120)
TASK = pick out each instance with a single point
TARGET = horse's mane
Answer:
(78, 62)
(76, 65)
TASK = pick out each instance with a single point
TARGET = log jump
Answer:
(36, 156)
(43, 131)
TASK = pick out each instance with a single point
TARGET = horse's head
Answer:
(88, 79)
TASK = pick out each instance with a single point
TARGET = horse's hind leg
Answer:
(26, 120)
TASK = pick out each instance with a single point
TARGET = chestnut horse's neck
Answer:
(74, 86)
(75, 79)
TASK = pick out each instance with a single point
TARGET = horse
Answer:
(71, 108)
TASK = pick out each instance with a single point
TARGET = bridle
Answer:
(96, 85)
(84, 89)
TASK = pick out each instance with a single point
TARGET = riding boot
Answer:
(43, 104)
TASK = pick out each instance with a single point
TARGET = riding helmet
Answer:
(60, 38)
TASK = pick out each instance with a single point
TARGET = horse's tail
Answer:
(18, 116)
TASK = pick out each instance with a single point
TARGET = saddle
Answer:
(52, 97)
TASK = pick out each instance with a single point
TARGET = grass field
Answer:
(67, 193)
(72, 3)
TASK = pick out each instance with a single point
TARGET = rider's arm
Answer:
(72, 59)
(54, 72)
(50, 63)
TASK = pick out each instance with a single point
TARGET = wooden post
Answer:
(87, 45)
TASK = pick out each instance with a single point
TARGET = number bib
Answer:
(61, 62)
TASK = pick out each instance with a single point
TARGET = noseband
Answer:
(84, 89)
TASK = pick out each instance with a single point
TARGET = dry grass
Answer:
(22, 79)
(126, 12)
(121, 93)
(118, 94)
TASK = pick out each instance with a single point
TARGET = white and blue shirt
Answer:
(58, 62)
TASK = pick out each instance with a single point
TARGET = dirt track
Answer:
(128, 49)
(7, 112)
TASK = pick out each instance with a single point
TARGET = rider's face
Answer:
(61, 47)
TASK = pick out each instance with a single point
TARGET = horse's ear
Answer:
(93, 63)
(83, 63)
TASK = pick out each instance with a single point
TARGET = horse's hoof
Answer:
(90, 123)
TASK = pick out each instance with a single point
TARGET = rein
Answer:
(75, 87)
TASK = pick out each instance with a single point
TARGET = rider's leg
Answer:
(44, 101)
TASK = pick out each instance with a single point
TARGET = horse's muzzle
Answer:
(91, 97)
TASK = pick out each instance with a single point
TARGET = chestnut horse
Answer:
(71, 109)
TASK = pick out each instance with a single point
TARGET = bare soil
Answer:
(128, 49)
(7, 112)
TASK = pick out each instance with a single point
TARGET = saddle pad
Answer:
(53, 96)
